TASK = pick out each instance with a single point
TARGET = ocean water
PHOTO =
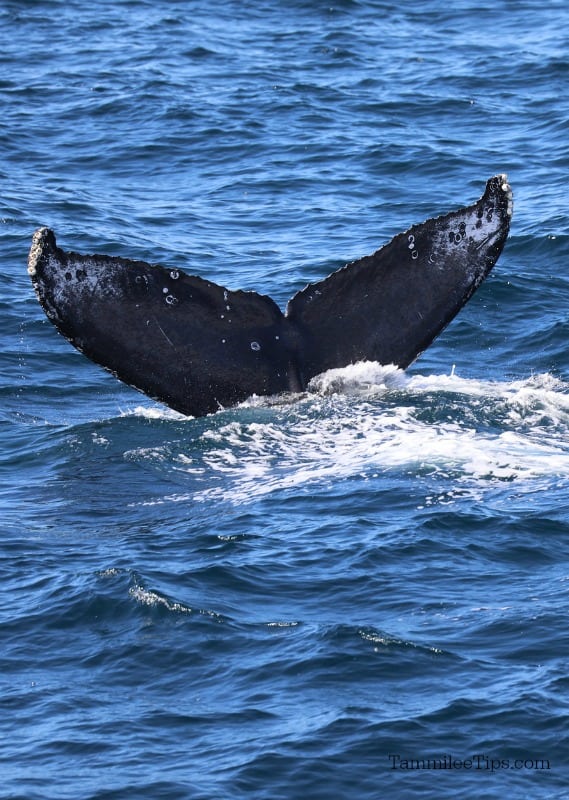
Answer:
(359, 592)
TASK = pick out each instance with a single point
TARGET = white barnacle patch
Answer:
(174, 274)
(255, 346)
(165, 290)
(171, 300)
(33, 258)
(458, 236)
(411, 246)
(509, 196)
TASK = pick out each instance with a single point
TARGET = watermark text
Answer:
(481, 762)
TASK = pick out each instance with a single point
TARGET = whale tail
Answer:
(197, 346)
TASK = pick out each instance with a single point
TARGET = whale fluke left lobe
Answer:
(180, 339)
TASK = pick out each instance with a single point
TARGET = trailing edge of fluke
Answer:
(199, 347)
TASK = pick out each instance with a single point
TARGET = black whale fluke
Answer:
(199, 347)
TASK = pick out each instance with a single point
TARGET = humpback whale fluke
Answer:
(197, 346)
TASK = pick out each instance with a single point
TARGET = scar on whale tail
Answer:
(197, 346)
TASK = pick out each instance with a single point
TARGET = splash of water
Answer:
(366, 420)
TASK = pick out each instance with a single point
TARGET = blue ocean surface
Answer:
(360, 592)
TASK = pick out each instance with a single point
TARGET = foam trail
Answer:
(366, 420)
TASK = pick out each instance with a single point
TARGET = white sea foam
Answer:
(150, 598)
(156, 412)
(366, 420)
